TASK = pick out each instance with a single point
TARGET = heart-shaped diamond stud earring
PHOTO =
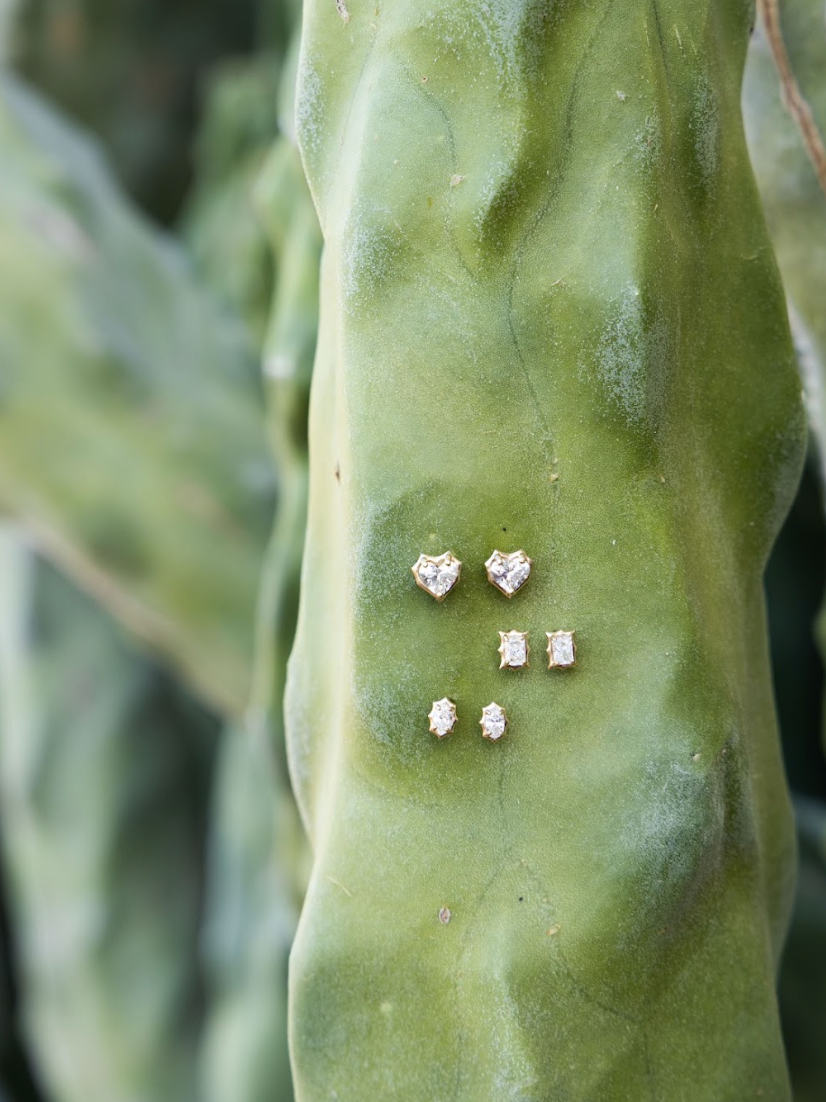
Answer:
(508, 572)
(437, 574)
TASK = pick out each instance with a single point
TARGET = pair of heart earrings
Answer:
(438, 574)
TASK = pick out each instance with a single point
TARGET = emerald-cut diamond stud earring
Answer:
(442, 717)
(493, 722)
(561, 650)
(437, 574)
(514, 650)
(508, 572)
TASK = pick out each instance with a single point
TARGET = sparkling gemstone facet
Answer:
(442, 717)
(493, 722)
(561, 649)
(508, 572)
(437, 574)
(514, 650)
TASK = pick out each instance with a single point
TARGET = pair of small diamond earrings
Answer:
(443, 718)
(514, 650)
(438, 574)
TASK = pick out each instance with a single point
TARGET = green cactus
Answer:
(250, 920)
(551, 320)
(795, 206)
(146, 474)
(794, 203)
(103, 775)
(220, 226)
(259, 854)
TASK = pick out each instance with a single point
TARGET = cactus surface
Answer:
(550, 320)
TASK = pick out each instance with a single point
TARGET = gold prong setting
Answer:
(442, 717)
(514, 650)
(437, 574)
(494, 722)
(561, 650)
(508, 572)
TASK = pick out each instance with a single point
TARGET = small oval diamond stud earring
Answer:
(514, 650)
(508, 572)
(561, 650)
(494, 722)
(442, 717)
(437, 574)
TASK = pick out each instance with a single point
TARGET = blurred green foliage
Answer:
(132, 71)
(146, 473)
(104, 775)
(795, 207)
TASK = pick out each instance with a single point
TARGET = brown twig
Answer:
(794, 99)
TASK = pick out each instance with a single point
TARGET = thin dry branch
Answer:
(794, 99)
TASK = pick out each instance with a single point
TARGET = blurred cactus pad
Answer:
(551, 320)
(131, 415)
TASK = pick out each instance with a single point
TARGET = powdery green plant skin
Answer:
(550, 319)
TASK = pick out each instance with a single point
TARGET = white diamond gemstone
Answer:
(437, 574)
(508, 572)
(493, 722)
(442, 717)
(561, 649)
(513, 649)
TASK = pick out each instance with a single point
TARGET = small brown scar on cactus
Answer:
(444, 916)
(337, 472)
(554, 930)
(341, 8)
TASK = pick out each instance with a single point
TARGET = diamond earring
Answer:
(437, 574)
(508, 572)
(442, 717)
(514, 650)
(493, 722)
(561, 650)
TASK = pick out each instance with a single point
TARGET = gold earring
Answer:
(561, 650)
(508, 572)
(442, 717)
(494, 722)
(514, 650)
(437, 574)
